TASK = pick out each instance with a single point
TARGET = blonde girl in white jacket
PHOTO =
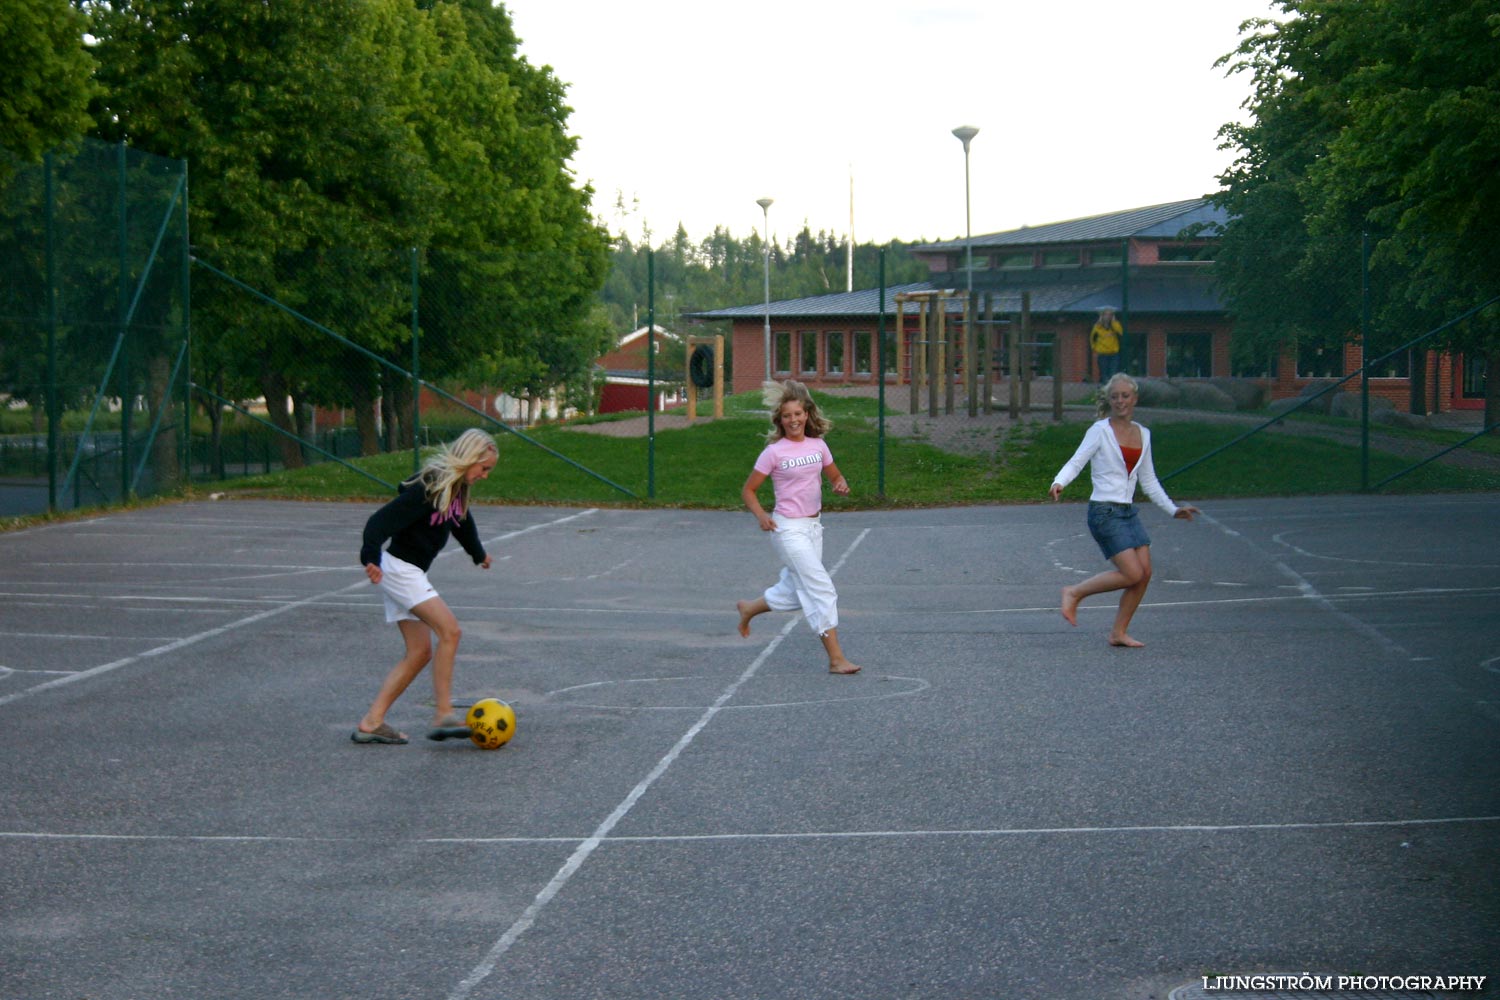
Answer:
(1117, 451)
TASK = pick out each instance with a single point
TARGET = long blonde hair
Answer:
(793, 391)
(443, 473)
(1135, 387)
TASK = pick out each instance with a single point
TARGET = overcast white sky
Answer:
(692, 110)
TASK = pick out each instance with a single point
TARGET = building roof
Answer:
(1146, 294)
(1154, 221)
(1051, 292)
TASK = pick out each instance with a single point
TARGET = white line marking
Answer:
(171, 647)
(482, 971)
(76, 635)
(1313, 595)
(190, 640)
(921, 685)
(1037, 831)
(1306, 587)
(1280, 538)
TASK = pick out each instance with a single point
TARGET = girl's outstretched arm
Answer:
(836, 479)
(752, 502)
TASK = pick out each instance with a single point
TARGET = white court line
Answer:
(1328, 603)
(76, 635)
(486, 966)
(175, 645)
(1280, 538)
(1018, 831)
(1305, 595)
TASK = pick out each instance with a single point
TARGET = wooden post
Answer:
(971, 355)
(1013, 356)
(987, 340)
(935, 335)
(950, 354)
(1057, 379)
(692, 388)
(1026, 335)
(919, 356)
(719, 376)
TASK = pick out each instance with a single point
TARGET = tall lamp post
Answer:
(966, 134)
(765, 207)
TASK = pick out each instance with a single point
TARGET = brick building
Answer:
(1153, 265)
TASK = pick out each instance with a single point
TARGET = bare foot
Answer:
(842, 667)
(747, 612)
(1069, 606)
(1126, 641)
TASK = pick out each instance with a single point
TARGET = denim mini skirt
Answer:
(1116, 527)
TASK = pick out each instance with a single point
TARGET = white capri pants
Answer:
(804, 583)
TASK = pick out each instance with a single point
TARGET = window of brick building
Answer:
(1190, 355)
(784, 353)
(863, 364)
(835, 339)
(809, 355)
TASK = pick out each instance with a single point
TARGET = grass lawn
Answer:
(706, 465)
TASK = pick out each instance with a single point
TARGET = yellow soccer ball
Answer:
(491, 723)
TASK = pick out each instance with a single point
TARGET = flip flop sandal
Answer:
(450, 727)
(384, 734)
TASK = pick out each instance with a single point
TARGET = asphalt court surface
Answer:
(1301, 772)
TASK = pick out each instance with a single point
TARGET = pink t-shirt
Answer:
(796, 470)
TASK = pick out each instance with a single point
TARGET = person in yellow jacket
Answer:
(1104, 341)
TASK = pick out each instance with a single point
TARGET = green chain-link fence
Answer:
(109, 326)
(93, 322)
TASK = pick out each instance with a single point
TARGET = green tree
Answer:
(45, 78)
(1376, 120)
(327, 138)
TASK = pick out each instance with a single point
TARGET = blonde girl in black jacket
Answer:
(431, 505)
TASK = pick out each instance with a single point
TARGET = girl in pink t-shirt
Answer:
(794, 460)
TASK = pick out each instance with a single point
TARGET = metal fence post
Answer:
(880, 390)
(651, 374)
(1364, 367)
(53, 416)
(187, 336)
(125, 354)
(416, 368)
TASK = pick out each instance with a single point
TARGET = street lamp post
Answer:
(765, 207)
(966, 134)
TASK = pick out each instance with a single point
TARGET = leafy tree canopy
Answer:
(1373, 120)
(45, 78)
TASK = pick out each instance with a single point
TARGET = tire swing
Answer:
(705, 370)
(701, 366)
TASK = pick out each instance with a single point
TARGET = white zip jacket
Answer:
(1112, 484)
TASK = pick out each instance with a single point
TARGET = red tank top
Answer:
(1132, 456)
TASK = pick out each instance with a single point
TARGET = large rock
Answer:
(1285, 404)
(1204, 396)
(1157, 392)
(1321, 404)
(1248, 394)
(1397, 418)
(1347, 405)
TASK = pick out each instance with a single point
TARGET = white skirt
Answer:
(403, 586)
